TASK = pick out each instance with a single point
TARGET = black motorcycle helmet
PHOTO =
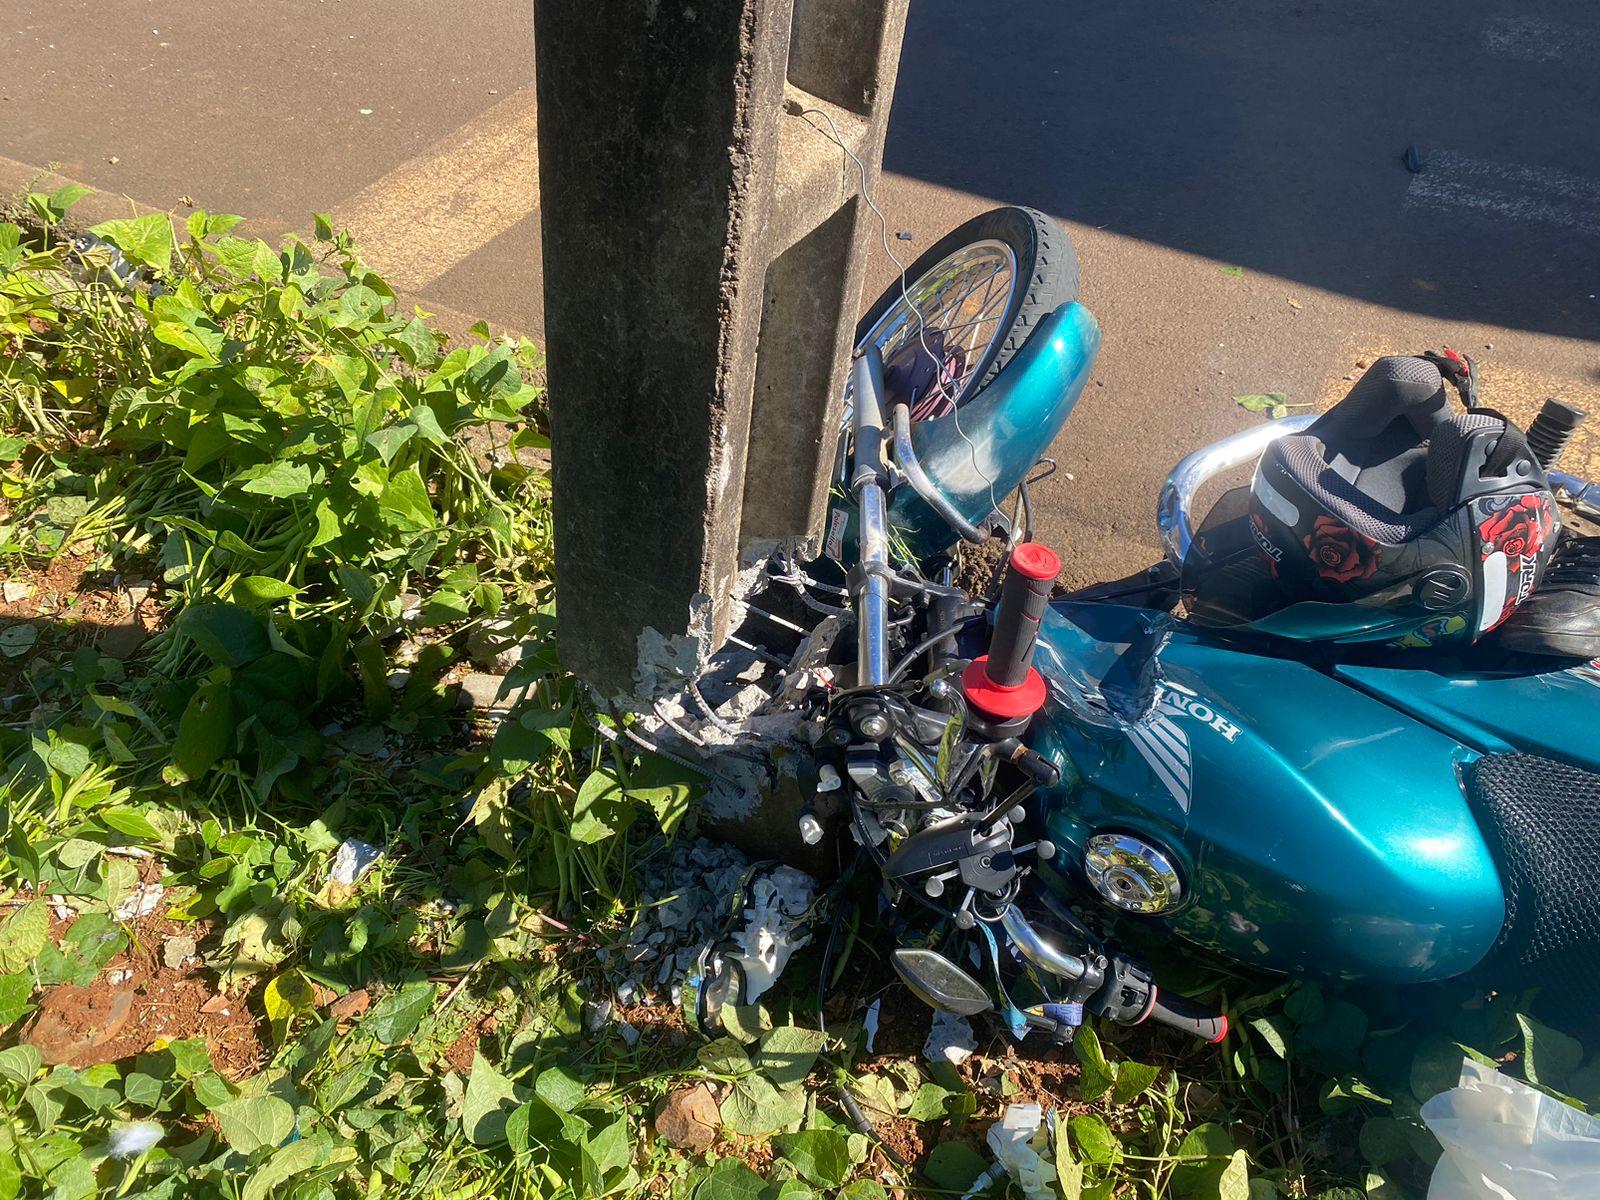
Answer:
(1395, 518)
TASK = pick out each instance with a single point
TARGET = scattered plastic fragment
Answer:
(1016, 1139)
(141, 902)
(352, 860)
(870, 1023)
(133, 1139)
(1503, 1138)
(950, 1040)
(1412, 159)
(772, 930)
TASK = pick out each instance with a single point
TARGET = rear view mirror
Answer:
(939, 983)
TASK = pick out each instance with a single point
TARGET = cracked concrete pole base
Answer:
(703, 256)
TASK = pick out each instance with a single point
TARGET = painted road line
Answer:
(1518, 193)
(1533, 39)
(466, 189)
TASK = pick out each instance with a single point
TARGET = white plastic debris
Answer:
(352, 860)
(119, 976)
(133, 1139)
(1503, 1139)
(141, 902)
(950, 1040)
(772, 930)
(62, 910)
(1016, 1139)
(870, 1023)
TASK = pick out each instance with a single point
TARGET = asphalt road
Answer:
(1230, 172)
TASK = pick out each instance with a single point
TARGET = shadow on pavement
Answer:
(1271, 135)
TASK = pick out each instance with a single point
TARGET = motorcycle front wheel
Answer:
(970, 302)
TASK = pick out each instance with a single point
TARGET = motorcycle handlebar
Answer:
(905, 454)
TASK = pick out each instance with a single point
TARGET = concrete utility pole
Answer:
(704, 248)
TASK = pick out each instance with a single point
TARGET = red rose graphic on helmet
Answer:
(1518, 531)
(1340, 553)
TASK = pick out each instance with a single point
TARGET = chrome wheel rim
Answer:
(964, 298)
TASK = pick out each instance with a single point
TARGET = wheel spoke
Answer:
(963, 299)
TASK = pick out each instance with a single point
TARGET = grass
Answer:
(324, 504)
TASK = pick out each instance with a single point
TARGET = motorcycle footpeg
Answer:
(939, 983)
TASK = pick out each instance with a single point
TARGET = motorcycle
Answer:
(1030, 774)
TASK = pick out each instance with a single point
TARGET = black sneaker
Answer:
(1562, 617)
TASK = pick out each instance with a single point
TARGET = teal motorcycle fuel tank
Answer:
(1315, 828)
(1548, 712)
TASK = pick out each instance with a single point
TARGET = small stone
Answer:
(113, 160)
(493, 645)
(119, 976)
(479, 690)
(176, 951)
(689, 1118)
(350, 1005)
(676, 913)
(596, 1015)
(365, 112)
(366, 740)
(14, 590)
(630, 1034)
(626, 993)
(217, 1004)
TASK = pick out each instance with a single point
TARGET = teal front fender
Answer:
(1318, 830)
(979, 454)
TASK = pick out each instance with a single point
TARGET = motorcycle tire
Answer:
(1045, 273)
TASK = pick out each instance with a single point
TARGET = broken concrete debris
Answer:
(689, 893)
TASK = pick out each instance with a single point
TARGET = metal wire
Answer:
(905, 293)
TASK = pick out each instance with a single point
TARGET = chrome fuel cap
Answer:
(1131, 873)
